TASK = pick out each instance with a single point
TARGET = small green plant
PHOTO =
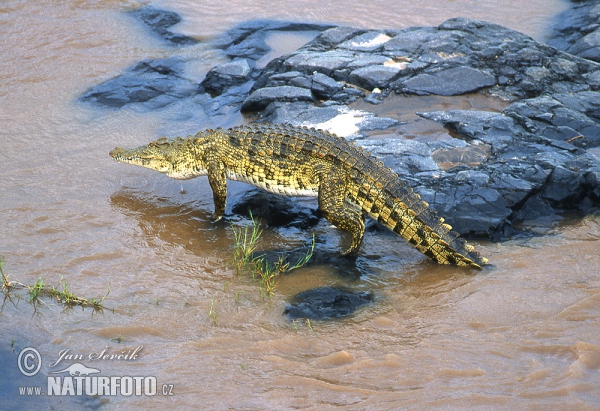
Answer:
(268, 274)
(39, 289)
(295, 324)
(302, 261)
(6, 285)
(309, 325)
(245, 239)
(119, 339)
(212, 313)
(36, 289)
(245, 260)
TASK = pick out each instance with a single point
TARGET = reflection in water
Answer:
(165, 223)
(175, 224)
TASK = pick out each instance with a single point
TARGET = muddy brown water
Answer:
(523, 334)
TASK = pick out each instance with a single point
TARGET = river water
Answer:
(523, 334)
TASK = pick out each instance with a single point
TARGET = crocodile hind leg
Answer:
(218, 183)
(339, 213)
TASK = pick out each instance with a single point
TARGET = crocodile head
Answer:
(176, 158)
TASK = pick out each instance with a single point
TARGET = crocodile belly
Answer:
(291, 187)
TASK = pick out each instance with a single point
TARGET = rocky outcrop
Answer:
(160, 22)
(153, 84)
(577, 30)
(459, 56)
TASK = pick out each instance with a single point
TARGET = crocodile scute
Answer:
(297, 161)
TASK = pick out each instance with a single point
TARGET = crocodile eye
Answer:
(162, 142)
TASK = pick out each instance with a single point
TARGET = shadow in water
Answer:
(183, 224)
(177, 224)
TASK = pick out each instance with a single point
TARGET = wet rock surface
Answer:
(153, 84)
(160, 23)
(276, 210)
(325, 303)
(577, 30)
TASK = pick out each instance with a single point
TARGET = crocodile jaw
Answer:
(157, 160)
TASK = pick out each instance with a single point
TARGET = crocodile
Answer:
(297, 161)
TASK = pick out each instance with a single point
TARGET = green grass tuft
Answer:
(212, 312)
(39, 289)
(245, 261)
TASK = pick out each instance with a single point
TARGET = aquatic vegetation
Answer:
(212, 312)
(258, 266)
(61, 293)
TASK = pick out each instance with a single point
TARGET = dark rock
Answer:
(564, 68)
(588, 46)
(346, 122)
(561, 117)
(492, 128)
(593, 79)
(155, 83)
(592, 179)
(295, 78)
(160, 22)
(322, 62)
(324, 87)
(460, 56)
(534, 208)
(586, 102)
(326, 303)
(376, 97)
(226, 76)
(261, 98)
(367, 61)
(334, 36)
(376, 76)
(247, 40)
(275, 209)
(521, 169)
(564, 187)
(159, 83)
(369, 41)
(577, 30)
(454, 81)
(411, 41)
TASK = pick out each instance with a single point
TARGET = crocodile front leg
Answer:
(218, 183)
(332, 190)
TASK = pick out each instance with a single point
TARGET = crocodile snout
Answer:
(117, 152)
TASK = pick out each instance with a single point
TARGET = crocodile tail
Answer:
(401, 210)
(434, 238)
